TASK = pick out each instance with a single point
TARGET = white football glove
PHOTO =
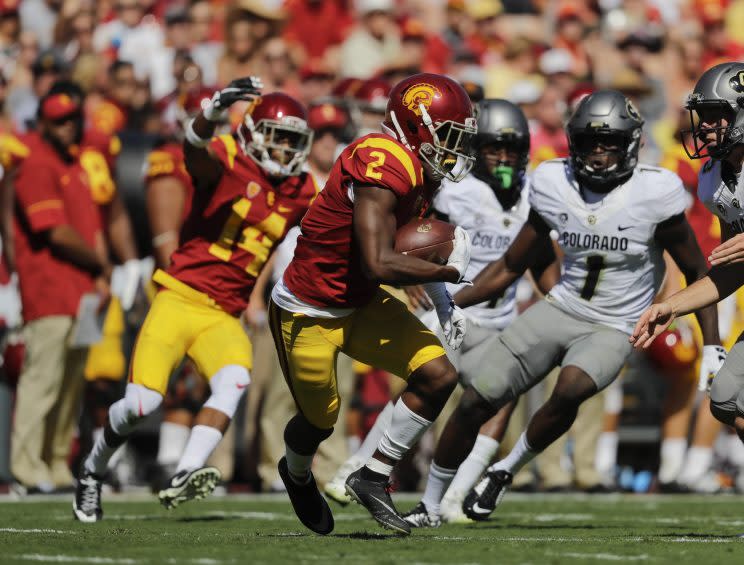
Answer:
(246, 88)
(460, 256)
(713, 359)
(451, 318)
(125, 282)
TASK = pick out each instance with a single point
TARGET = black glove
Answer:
(246, 88)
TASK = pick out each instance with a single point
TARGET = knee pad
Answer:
(302, 437)
(228, 386)
(138, 403)
(724, 399)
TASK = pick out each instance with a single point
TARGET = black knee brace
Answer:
(302, 437)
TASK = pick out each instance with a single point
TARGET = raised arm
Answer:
(204, 169)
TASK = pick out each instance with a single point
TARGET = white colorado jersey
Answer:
(612, 266)
(719, 199)
(472, 205)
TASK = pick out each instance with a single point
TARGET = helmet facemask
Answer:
(280, 147)
(604, 158)
(502, 160)
(706, 140)
(449, 154)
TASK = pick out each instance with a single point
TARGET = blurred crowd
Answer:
(137, 69)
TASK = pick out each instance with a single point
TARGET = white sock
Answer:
(735, 450)
(437, 484)
(672, 458)
(472, 468)
(298, 466)
(518, 457)
(172, 442)
(406, 428)
(605, 457)
(697, 462)
(98, 458)
(202, 442)
(369, 445)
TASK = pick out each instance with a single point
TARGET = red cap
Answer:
(9, 7)
(568, 11)
(59, 106)
(327, 115)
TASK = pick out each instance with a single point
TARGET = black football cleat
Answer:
(86, 506)
(189, 485)
(487, 495)
(419, 517)
(309, 505)
(374, 496)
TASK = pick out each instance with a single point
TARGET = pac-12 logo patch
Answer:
(252, 189)
(424, 228)
(420, 94)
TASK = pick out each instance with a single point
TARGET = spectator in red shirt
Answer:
(317, 26)
(719, 47)
(60, 256)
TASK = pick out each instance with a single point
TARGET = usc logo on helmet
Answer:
(419, 94)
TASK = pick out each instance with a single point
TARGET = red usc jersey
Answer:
(168, 161)
(327, 268)
(232, 230)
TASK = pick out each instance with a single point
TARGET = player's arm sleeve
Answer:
(384, 164)
(39, 197)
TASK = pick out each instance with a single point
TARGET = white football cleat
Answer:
(189, 485)
(451, 509)
(335, 489)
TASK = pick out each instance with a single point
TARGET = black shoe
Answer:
(419, 517)
(486, 495)
(86, 506)
(309, 505)
(373, 495)
(189, 485)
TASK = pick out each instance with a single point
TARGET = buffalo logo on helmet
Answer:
(737, 82)
(632, 111)
(420, 94)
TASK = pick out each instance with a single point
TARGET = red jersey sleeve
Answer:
(165, 162)
(379, 160)
(225, 149)
(38, 193)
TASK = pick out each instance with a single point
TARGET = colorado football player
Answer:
(716, 108)
(613, 219)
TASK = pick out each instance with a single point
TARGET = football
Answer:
(427, 239)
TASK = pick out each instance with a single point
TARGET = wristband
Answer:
(193, 138)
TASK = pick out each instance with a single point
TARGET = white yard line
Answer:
(34, 531)
(602, 556)
(75, 559)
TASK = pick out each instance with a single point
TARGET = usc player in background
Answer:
(249, 190)
(329, 298)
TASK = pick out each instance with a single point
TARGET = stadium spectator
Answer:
(60, 258)
(204, 49)
(316, 28)
(248, 26)
(374, 43)
(280, 72)
(23, 98)
(112, 113)
(548, 136)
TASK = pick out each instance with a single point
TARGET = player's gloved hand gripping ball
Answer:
(246, 89)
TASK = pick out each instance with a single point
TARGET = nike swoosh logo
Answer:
(477, 509)
(623, 228)
(179, 481)
(384, 504)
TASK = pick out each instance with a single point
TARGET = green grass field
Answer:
(534, 529)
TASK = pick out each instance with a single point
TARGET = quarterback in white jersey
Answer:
(717, 131)
(613, 219)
